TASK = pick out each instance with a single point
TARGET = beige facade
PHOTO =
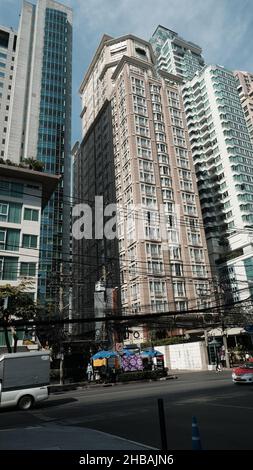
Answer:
(162, 250)
(245, 88)
(8, 39)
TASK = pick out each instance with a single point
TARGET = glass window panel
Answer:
(12, 240)
(29, 241)
(15, 213)
(3, 211)
(28, 269)
(31, 214)
(10, 269)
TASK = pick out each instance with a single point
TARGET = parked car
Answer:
(243, 373)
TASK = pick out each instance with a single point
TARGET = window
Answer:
(175, 252)
(8, 268)
(153, 249)
(177, 269)
(11, 189)
(12, 240)
(29, 241)
(155, 267)
(15, 213)
(179, 289)
(3, 212)
(31, 214)
(157, 287)
(10, 212)
(181, 306)
(159, 305)
(198, 270)
(9, 239)
(140, 51)
(2, 239)
(28, 269)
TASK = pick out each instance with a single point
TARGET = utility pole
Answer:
(4, 306)
(61, 347)
(224, 337)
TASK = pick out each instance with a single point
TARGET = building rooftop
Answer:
(48, 182)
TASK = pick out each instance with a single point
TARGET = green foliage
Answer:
(35, 165)
(20, 303)
(165, 341)
(20, 306)
(30, 163)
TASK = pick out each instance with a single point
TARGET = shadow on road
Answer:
(40, 406)
(54, 403)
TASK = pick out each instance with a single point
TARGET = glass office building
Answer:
(40, 124)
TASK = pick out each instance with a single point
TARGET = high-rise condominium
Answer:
(8, 42)
(135, 150)
(245, 88)
(175, 54)
(223, 158)
(38, 125)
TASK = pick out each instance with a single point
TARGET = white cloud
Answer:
(217, 25)
(223, 28)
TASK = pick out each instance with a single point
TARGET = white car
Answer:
(243, 373)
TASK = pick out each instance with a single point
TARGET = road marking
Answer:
(125, 440)
(232, 406)
(18, 429)
(41, 416)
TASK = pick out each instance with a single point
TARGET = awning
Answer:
(228, 332)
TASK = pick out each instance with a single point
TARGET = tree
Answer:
(33, 164)
(15, 303)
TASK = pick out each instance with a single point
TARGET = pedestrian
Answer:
(97, 376)
(232, 358)
(223, 359)
(218, 364)
(89, 372)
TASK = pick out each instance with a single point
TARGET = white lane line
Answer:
(125, 439)
(20, 429)
(232, 406)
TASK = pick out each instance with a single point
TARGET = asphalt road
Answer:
(224, 411)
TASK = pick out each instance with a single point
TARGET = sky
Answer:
(223, 28)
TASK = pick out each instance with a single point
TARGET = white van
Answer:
(24, 379)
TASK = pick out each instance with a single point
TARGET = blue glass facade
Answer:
(54, 143)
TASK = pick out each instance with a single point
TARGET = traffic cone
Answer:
(196, 442)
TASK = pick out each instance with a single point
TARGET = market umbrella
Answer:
(151, 353)
(104, 355)
(128, 352)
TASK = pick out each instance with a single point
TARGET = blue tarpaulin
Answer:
(104, 355)
(151, 353)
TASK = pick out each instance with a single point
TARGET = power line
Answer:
(108, 258)
(151, 211)
(120, 318)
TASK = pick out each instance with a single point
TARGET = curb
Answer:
(84, 385)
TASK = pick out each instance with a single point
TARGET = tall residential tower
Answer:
(175, 54)
(135, 116)
(8, 42)
(223, 157)
(245, 89)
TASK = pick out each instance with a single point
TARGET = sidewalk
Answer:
(59, 437)
(73, 386)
